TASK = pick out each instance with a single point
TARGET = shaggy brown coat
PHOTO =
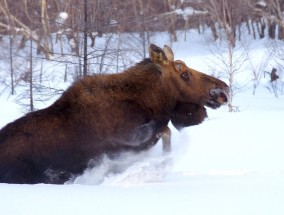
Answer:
(107, 114)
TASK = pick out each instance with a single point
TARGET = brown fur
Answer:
(104, 114)
(186, 114)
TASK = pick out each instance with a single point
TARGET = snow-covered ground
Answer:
(233, 163)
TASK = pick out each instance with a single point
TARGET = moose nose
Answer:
(221, 95)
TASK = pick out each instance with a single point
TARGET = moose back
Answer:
(107, 114)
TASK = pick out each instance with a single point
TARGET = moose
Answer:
(107, 114)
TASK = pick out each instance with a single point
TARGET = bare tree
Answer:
(85, 69)
(22, 25)
(31, 77)
(275, 18)
(223, 12)
(11, 64)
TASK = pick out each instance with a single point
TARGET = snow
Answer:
(230, 164)
(62, 17)
(261, 3)
(189, 11)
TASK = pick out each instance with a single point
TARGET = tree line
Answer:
(39, 19)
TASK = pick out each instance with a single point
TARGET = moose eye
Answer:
(185, 76)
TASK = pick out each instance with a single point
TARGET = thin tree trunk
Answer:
(118, 53)
(45, 29)
(31, 76)
(85, 37)
(253, 30)
(143, 35)
(213, 30)
(65, 73)
(11, 65)
(40, 74)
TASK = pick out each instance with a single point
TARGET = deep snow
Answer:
(230, 164)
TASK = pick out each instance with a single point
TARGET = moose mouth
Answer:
(217, 98)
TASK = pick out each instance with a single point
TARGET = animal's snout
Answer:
(222, 96)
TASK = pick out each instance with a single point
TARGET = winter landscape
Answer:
(231, 164)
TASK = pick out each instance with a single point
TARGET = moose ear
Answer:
(169, 53)
(157, 55)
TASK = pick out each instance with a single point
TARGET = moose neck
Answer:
(157, 93)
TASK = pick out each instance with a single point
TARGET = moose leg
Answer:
(166, 139)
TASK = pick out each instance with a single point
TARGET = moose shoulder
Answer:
(107, 114)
